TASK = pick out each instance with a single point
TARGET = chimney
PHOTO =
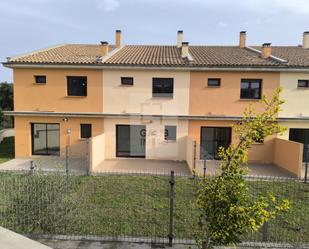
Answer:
(185, 49)
(266, 50)
(242, 39)
(179, 38)
(118, 38)
(306, 40)
(104, 48)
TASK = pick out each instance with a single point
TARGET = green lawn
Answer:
(6, 149)
(127, 205)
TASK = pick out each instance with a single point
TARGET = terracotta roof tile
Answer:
(227, 56)
(296, 56)
(148, 55)
(63, 54)
(168, 56)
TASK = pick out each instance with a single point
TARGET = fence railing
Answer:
(134, 207)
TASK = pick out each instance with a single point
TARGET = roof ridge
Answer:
(12, 58)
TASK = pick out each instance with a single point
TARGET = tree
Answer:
(227, 209)
(6, 104)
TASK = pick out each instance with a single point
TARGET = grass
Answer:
(6, 149)
(127, 205)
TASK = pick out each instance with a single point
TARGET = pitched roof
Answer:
(148, 55)
(296, 56)
(227, 56)
(63, 54)
(167, 56)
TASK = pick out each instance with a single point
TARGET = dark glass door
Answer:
(300, 136)
(130, 140)
(212, 138)
(45, 139)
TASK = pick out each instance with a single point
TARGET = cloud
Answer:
(107, 5)
(8, 8)
(222, 24)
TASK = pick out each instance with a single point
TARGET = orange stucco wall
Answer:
(259, 153)
(23, 132)
(225, 100)
(52, 96)
(289, 156)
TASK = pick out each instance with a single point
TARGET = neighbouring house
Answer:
(154, 101)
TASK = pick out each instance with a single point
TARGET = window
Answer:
(85, 131)
(170, 132)
(303, 84)
(128, 81)
(40, 79)
(162, 87)
(251, 89)
(214, 82)
(77, 86)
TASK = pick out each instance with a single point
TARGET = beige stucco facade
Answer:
(106, 95)
(156, 146)
(52, 96)
(138, 98)
(296, 99)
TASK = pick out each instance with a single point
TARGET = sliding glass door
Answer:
(130, 140)
(212, 138)
(45, 139)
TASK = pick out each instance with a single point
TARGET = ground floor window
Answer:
(85, 131)
(212, 138)
(170, 132)
(301, 136)
(45, 139)
(130, 140)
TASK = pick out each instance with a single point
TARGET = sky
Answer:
(28, 25)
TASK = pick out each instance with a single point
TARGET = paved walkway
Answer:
(136, 165)
(6, 133)
(66, 244)
(11, 240)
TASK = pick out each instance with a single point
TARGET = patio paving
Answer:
(138, 165)
(46, 163)
(255, 169)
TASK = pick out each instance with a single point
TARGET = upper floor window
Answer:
(162, 87)
(77, 85)
(303, 84)
(85, 131)
(170, 132)
(214, 82)
(40, 79)
(251, 89)
(127, 81)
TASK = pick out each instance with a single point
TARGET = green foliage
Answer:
(7, 149)
(227, 209)
(6, 104)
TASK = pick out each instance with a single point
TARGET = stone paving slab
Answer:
(11, 240)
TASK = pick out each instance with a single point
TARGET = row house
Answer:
(148, 101)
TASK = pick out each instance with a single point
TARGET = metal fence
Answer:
(133, 207)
